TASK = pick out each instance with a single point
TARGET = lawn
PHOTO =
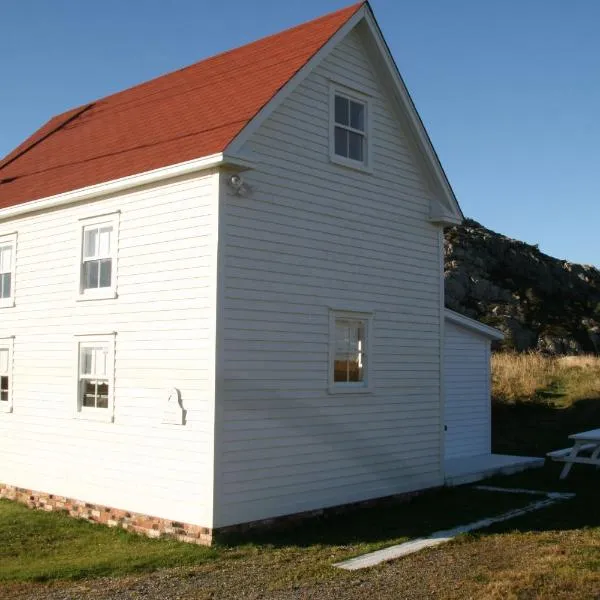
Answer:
(538, 401)
(553, 553)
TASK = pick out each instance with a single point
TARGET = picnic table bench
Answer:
(587, 442)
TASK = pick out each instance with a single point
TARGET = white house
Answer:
(222, 300)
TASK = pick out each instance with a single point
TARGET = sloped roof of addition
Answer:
(190, 113)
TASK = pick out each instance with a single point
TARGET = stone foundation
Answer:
(154, 527)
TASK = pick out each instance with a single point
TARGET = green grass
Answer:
(553, 553)
(38, 546)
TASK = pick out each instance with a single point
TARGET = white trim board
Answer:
(473, 325)
(98, 190)
(441, 537)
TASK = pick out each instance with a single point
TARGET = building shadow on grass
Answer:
(535, 427)
(392, 521)
(521, 428)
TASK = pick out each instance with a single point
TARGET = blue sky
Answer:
(509, 90)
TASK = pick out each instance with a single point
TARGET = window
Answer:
(98, 257)
(350, 336)
(8, 245)
(95, 376)
(6, 382)
(349, 131)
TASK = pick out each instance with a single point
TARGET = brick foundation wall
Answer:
(154, 527)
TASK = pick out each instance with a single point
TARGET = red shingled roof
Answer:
(187, 114)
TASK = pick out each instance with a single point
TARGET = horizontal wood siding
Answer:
(467, 391)
(310, 235)
(164, 319)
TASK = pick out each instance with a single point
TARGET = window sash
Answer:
(349, 129)
(5, 377)
(5, 286)
(4, 388)
(94, 383)
(347, 119)
(94, 392)
(6, 258)
(95, 377)
(97, 273)
(349, 356)
(97, 242)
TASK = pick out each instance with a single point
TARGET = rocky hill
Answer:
(540, 302)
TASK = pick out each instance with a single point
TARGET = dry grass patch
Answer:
(534, 375)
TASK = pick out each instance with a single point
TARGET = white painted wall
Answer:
(164, 317)
(310, 235)
(467, 392)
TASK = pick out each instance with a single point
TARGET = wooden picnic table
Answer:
(582, 442)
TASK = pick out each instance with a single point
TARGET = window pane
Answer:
(5, 285)
(341, 141)
(341, 338)
(105, 271)
(104, 242)
(87, 361)
(357, 115)
(340, 371)
(90, 242)
(355, 371)
(88, 396)
(4, 361)
(101, 366)
(4, 384)
(349, 351)
(355, 146)
(5, 259)
(341, 110)
(90, 274)
(102, 397)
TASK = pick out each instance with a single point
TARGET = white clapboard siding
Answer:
(164, 317)
(312, 234)
(467, 392)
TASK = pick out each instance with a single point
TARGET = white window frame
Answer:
(7, 343)
(359, 387)
(366, 165)
(5, 240)
(107, 340)
(110, 220)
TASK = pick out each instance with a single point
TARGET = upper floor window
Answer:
(99, 237)
(349, 129)
(350, 338)
(8, 246)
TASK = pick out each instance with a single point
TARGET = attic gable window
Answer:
(98, 257)
(8, 247)
(349, 129)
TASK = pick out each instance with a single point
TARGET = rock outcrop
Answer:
(539, 302)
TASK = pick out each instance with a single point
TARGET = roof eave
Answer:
(471, 324)
(130, 182)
